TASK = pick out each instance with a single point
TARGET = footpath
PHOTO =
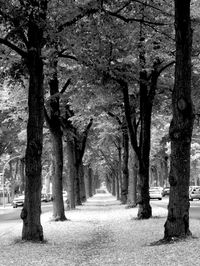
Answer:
(101, 232)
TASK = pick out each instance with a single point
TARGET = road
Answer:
(10, 217)
(194, 206)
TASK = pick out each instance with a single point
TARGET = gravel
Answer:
(101, 232)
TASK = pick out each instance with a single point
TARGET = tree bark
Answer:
(32, 228)
(57, 188)
(90, 182)
(117, 185)
(132, 186)
(119, 173)
(82, 182)
(53, 122)
(22, 174)
(80, 143)
(177, 223)
(72, 173)
(113, 185)
(125, 171)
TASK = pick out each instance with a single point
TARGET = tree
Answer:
(117, 62)
(30, 18)
(177, 223)
(53, 122)
(76, 135)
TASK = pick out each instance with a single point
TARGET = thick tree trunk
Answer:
(177, 223)
(32, 228)
(144, 210)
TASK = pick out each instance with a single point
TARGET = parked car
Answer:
(155, 192)
(194, 192)
(166, 191)
(65, 196)
(18, 201)
(46, 197)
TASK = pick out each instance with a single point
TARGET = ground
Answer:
(101, 232)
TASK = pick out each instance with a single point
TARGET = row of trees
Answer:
(92, 61)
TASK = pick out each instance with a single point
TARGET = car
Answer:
(194, 192)
(18, 201)
(155, 193)
(166, 191)
(65, 196)
(46, 197)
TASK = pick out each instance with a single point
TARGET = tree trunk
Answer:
(144, 210)
(113, 186)
(22, 174)
(78, 189)
(125, 171)
(53, 122)
(82, 182)
(57, 189)
(132, 186)
(177, 223)
(119, 174)
(32, 228)
(117, 185)
(90, 181)
(72, 173)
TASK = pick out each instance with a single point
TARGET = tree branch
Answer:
(65, 86)
(116, 117)
(166, 66)
(84, 139)
(132, 132)
(13, 47)
(114, 14)
(62, 54)
(47, 118)
(86, 11)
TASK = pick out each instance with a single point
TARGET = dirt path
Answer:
(100, 233)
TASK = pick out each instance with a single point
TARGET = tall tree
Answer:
(27, 22)
(53, 122)
(177, 223)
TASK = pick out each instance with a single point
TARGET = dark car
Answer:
(166, 191)
(155, 193)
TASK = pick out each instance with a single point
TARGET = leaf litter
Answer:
(101, 232)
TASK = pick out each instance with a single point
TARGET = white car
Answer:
(18, 201)
(65, 196)
(156, 193)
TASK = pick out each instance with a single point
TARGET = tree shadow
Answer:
(153, 217)
(172, 240)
